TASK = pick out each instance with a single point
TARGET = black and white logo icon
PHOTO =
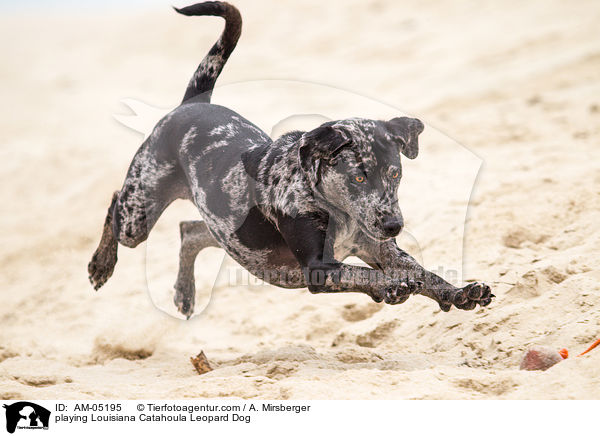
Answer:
(26, 415)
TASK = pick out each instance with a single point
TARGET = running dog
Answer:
(290, 210)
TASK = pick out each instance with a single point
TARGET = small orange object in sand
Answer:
(539, 358)
(542, 358)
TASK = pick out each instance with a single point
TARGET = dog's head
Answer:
(354, 167)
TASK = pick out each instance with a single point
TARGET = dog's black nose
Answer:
(392, 225)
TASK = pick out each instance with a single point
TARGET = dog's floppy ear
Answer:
(406, 131)
(320, 145)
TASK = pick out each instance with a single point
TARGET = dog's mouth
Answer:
(379, 236)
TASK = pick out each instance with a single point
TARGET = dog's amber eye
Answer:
(359, 179)
(395, 175)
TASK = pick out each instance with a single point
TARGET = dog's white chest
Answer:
(345, 241)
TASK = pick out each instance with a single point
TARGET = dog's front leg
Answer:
(339, 277)
(396, 263)
(308, 241)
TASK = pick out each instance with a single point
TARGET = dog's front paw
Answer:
(399, 292)
(467, 298)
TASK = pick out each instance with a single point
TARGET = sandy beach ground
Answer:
(510, 94)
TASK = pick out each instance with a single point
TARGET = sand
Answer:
(506, 190)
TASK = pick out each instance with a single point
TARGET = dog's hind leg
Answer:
(104, 259)
(194, 237)
(152, 183)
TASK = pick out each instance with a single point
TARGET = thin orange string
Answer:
(594, 345)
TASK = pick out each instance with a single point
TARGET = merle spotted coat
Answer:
(290, 210)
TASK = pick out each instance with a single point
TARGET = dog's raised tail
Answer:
(203, 81)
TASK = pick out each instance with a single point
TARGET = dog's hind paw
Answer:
(467, 298)
(102, 266)
(183, 302)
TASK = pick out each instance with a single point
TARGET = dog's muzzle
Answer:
(392, 226)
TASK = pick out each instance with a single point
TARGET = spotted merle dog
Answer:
(290, 210)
